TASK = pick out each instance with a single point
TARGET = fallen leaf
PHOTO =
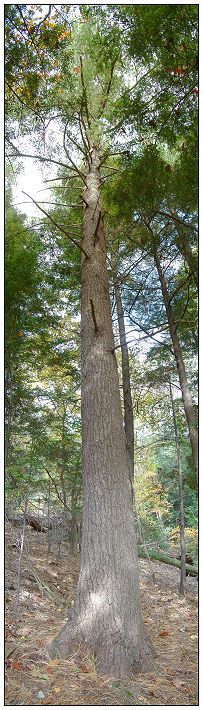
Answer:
(75, 669)
(178, 683)
(85, 669)
(54, 662)
(163, 633)
(57, 690)
(16, 665)
(50, 670)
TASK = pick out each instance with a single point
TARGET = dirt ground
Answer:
(47, 590)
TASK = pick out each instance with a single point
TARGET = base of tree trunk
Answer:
(115, 654)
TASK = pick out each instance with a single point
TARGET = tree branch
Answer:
(30, 36)
(176, 219)
(23, 102)
(76, 144)
(38, 157)
(175, 106)
(57, 492)
(82, 125)
(57, 225)
(104, 102)
(81, 175)
(84, 93)
(44, 18)
(148, 335)
(186, 281)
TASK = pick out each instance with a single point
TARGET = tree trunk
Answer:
(48, 517)
(182, 523)
(74, 536)
(9, 385)
(127, 399)
(106, 618)
(128, 413)
(186, 396)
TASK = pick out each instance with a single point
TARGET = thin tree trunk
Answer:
(127, 399)
(74, 536)
(182, 523)
(106, 617)
(9, 421)
(128, 412)
(186, 396)
(19, 563)
(48, 516)
(75, 524)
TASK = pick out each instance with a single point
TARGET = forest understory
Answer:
(47, 592)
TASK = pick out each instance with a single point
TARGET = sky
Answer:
(33, 174)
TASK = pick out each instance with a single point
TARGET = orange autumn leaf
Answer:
(163, 633)
(16, 665)
(179, 71)
(57, 690)
(76, 70)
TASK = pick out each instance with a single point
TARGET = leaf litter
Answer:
(34, 679)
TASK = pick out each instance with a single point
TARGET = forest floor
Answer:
(47, 590)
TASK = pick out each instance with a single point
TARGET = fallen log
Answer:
(161, 557)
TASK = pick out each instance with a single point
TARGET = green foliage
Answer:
(165, 40)
(37, 338)
(129, 73)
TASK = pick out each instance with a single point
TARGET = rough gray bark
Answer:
(186, 396)
(107, 617)
(128, 405)
(182, 523)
